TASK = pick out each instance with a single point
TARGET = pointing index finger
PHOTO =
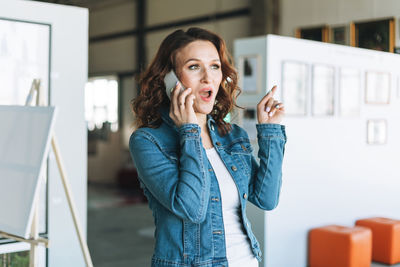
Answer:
(269, 95)
(273, 90)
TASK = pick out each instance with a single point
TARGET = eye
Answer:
(194, 67)
(215, 66)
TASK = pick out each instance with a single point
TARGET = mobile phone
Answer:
(170, 81)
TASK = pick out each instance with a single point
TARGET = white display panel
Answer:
(24, 56)
(24, 140)
(335, 166)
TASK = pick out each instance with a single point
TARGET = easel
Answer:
(34, 238)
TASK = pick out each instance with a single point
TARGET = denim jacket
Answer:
(183, 191)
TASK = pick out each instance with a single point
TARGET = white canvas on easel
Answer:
(24, 141)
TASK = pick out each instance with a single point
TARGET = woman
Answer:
(197, 170)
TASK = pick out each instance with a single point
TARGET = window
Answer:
(101, 103)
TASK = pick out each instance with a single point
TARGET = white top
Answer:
(238, 251)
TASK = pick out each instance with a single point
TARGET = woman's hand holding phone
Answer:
(181, 109)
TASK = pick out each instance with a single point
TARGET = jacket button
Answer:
(243, 147)
(194, 130)
(212, 127)
(234, 168)
(245, 196)
(218, 144)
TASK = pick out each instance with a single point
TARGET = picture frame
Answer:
(322, 96)
(398, 86)
(349, 92)
(250, 73)
(377, 87)
(339, 34)
(374, 34)
(295, 87)
(377, 132)
(316, 33)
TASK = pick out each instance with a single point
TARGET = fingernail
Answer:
(277, 106)
(271, 114)
(268, 109)
(177, 82)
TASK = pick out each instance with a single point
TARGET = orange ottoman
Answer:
(385, 239)
(340, 246)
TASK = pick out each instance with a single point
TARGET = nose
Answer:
(206, 76)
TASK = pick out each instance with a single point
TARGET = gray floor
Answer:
(120, 233)
(374, 264)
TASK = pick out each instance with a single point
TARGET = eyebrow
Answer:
(196, 59)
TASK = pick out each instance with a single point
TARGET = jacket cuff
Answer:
(268, 130)
(189, 130)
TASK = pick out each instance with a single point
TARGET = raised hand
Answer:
(269, 110)
(181, 109)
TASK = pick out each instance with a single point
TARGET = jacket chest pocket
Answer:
(241, 152)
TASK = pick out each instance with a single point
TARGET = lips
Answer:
(206, 94)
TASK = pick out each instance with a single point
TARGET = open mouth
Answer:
(206, 94)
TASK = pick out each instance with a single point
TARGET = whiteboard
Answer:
(24, 141)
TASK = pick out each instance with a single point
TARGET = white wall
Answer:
(306, 13)
(69, 28)
(330, 174)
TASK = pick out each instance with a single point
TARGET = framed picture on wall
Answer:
(377, 87)
(294, 87)
(250, 74)
(398, 86)
(374, 34)
(315, 33)
(339, 34)
(323, 78)
(377, 132)
(349, 92)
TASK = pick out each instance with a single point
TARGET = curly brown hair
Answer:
(152, 88)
